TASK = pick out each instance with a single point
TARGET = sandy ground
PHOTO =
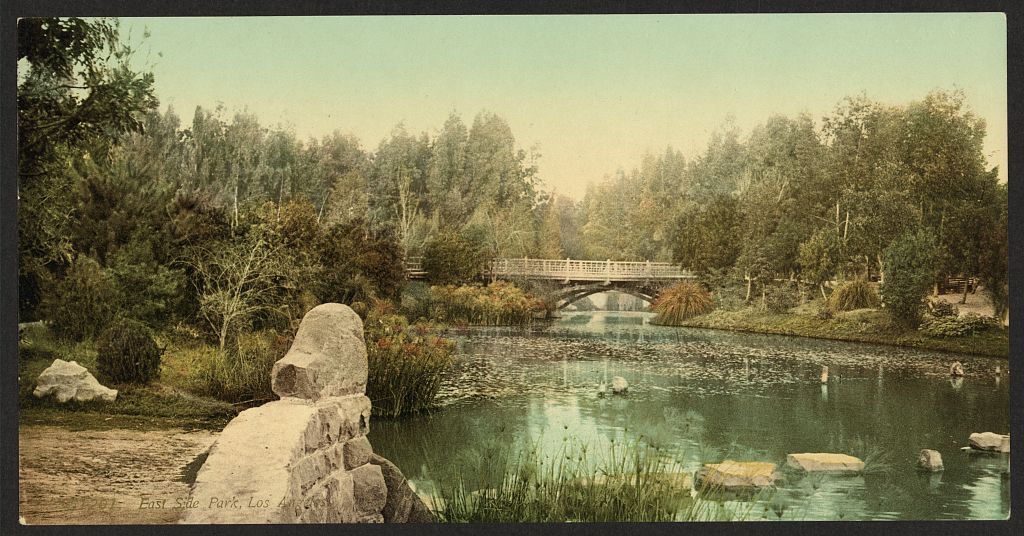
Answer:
(977, 303)
(104, 476)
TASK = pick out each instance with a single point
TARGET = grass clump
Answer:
(680, 302)
(857, 294)
(406, 363)
(127, 353)
(634, 483)
(497, 304)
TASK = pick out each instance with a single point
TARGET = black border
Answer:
(11, 9)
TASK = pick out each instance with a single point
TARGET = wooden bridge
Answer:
(570, 270)
(577, 278)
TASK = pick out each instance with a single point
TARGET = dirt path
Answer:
(104, 476)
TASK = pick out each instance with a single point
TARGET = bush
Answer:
(127, 353)
(909, 262)
(83, 303)
(942, 308)
(951, 326)
(497, 304)
(406, 363)
(680, 302)
(450, 259)
(242, 374)
(857, 294)
(780, 298)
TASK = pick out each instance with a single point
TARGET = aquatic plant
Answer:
(633, 482)
(856, 294)
(406, 363)
(681, 301)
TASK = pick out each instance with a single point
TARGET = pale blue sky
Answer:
(593, 93)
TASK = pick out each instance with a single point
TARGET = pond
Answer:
(707, 396)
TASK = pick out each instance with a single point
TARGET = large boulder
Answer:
(67, 380)
(402, 505)
(990, 441)
(929, 460)
(825, 462)
(736, 476)
(327, 357)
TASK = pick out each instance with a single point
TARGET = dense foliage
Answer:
(127, 353)
(953, 326)
(911, 271)
(496, 304)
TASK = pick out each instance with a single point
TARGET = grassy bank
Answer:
(865, 325)
(166, 403)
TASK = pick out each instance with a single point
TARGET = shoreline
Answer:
(871, 329)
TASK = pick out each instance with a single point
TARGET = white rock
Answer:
(619, 385)
(929, 460)
(68, 380)
(990, 441)
(825, 462)
(327, 357)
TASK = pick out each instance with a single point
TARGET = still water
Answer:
(708, 395)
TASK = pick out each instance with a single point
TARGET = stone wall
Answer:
(305, 458)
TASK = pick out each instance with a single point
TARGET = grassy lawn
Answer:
(865, 325)
(166, 403)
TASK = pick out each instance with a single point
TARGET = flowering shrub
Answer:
(406, 363)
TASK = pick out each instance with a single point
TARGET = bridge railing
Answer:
(572, 269)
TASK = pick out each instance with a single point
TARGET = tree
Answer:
(450, 258)
(818, 257)
(236, 281)
(909, 261)
(994, 267)
(77, 93)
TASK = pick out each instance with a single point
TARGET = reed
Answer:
(856, 294)
(497, 304)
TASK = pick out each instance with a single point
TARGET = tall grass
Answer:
(406, 363)
(497, 304)
(634, 482)
(240, 375)
(856, 294)
(680, 302)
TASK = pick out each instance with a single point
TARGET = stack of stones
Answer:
(305, 458)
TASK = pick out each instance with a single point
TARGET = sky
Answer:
(591, 93)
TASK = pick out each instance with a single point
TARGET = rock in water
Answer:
(990, 441)
(825, 462)
(68, 380)
(736, 476)
(956, 369)
(619, 385)
(929, 460)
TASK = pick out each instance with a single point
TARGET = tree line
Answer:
(226, 223)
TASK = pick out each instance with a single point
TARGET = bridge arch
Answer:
(567, 295)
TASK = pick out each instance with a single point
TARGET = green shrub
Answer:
(909, 270)
(681, 301)
(780, 298)
(951, 326)
(406, 363)
(127, 353)
(450, 258)
(497, 304)
(942, 308)
(242, 374)
(856, 294)
(81, 304)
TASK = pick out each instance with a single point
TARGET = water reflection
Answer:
(708, 396)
